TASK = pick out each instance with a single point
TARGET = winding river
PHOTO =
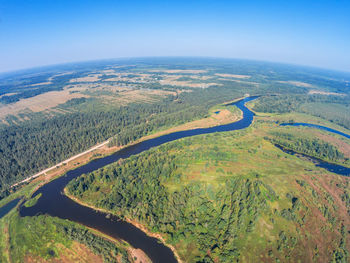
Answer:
(320, 127)
(53, 202)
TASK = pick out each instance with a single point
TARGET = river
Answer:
(53, 202)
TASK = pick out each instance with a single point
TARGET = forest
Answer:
(32, 146)
(332, 108)
(216, 215)
(312, 147)
(209, 218)
(225, 197)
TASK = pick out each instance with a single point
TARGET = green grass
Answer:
(233, 194)
(338, 113)
(47, 237)
(36, 235)
(31, 202)
(221, 197)
(25, 191)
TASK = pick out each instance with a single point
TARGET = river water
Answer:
(8, 207)
(53, 202)
(317, 127)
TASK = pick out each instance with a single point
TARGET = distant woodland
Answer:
(32, 146)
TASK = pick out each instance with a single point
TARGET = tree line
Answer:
(32, 146)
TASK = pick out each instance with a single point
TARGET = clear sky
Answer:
(43, 32)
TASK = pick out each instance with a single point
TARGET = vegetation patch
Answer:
(47, 238)
(31, 202)
(235, 197)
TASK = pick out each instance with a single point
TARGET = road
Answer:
(61, 163)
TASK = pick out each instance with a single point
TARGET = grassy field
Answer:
(234, 197)
(48, 239)
(239, 197)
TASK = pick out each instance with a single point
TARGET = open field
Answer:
(326, 93)
(49, 239)
(179, 71)
(297, 83)
(38, 103)
(233, 76)
(53, 102)
(294, 196)
(175, 80)
(213, 198)
(246, 155)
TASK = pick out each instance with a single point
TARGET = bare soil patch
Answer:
(76, 253)
(8, 94)
(179, 71)
(139, 256)
(135, 78)
(41, 83)
(173, 80)
(240, 81)
(297, 83)
(340, 144)
(233, 76)
(143, 95)
(38, 103)
(325, 93)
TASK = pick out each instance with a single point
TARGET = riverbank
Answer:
(133, 222)
(130, 232)
(102, 150)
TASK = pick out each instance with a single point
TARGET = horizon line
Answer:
(19, 70)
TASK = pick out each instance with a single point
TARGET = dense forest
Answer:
(29, 146)
(313, 147)
(332, 108)
(187, 214)
(225, 197)
(32, 146)
(216, 216)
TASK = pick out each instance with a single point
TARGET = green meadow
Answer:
(231, 196)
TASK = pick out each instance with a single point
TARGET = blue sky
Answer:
(310, 32)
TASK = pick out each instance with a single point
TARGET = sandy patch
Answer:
(93, 87)
(121, 94)
(38, 103)
(240, 81)
(233, 76)
(173, 81)
(297, 83)
(144, 95)
(108, 72)
(139, 256)
(76, 253)
(130, 77)
(8, 94)
(41, 83)
(325, 93)
(58, 75)
(200, 77)
(178, 71)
